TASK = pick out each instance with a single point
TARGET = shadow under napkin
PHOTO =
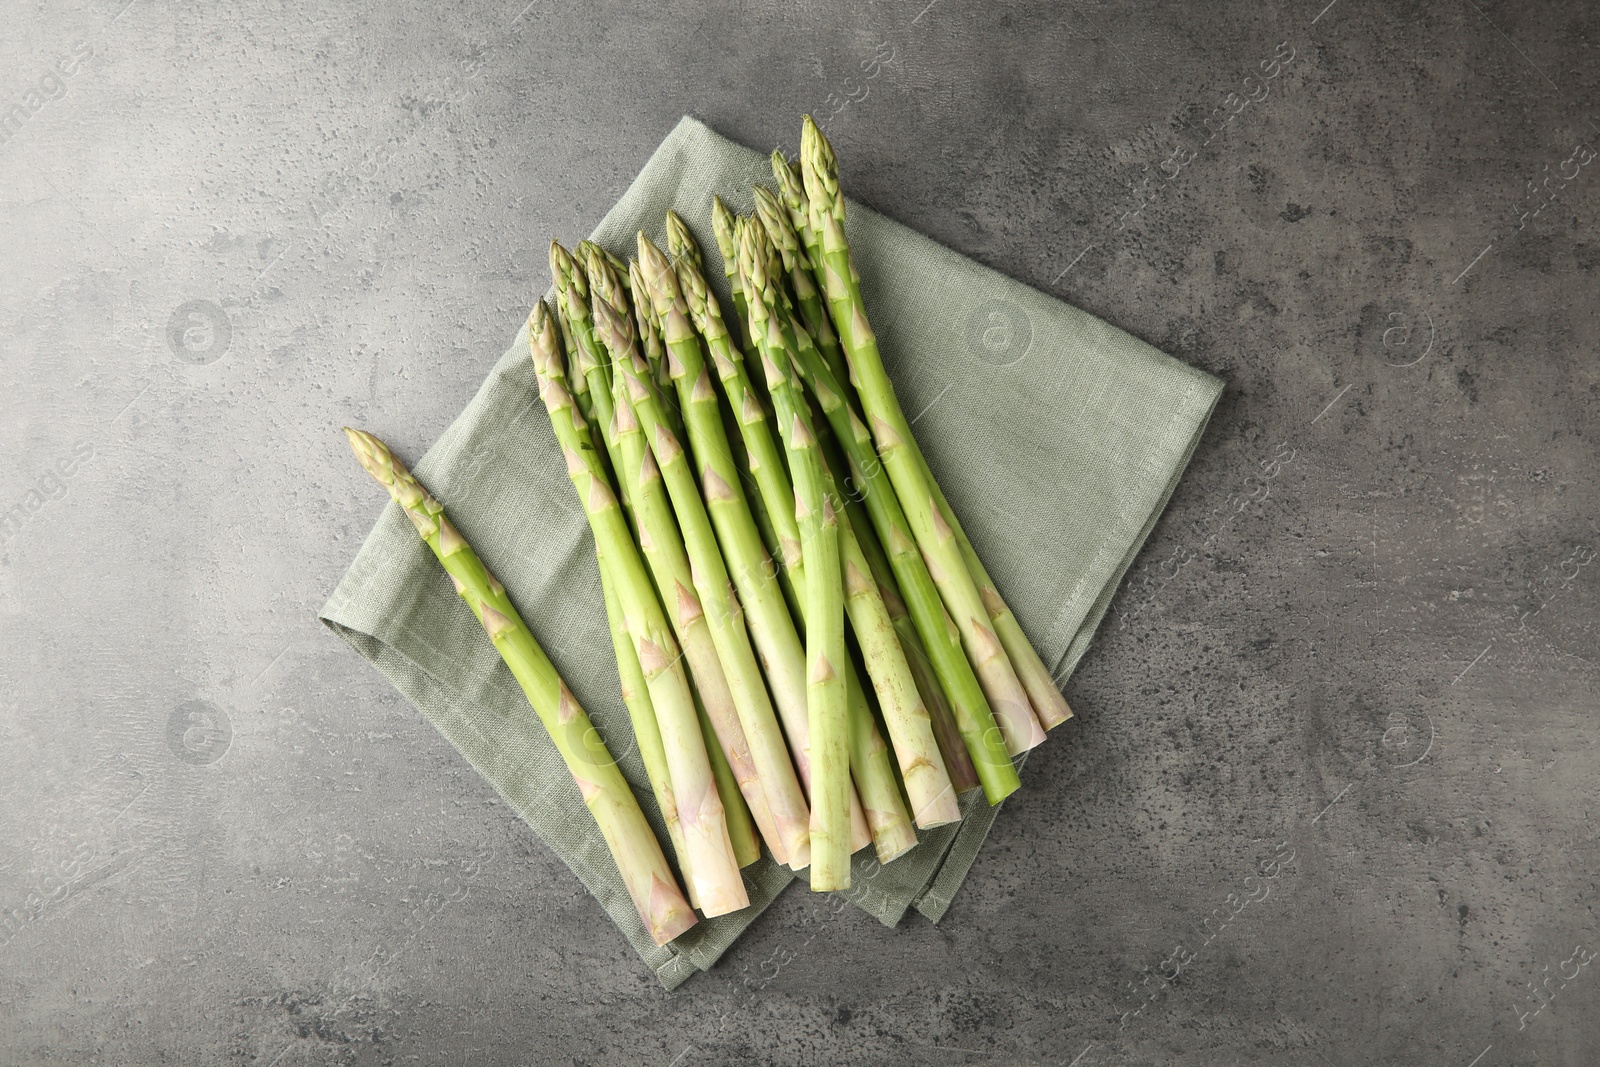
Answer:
(1057, 438)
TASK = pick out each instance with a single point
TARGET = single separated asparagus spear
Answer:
(825, 657)
(784, 801)
(1008, 698)
(718, 887)
(868, 482)
(605, 792)
(890, 830)
(922, 768)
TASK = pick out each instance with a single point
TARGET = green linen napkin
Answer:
(1057, 438)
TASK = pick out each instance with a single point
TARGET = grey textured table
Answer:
(1330, 798)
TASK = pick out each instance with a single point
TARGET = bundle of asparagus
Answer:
(811, 653)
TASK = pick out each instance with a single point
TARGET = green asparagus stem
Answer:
(825, 646)
(645, 729)
(825, 652)
(922, 769)
(759, 513)
(682, 246)
(898, 449)
(776, 635)
(617, 266)
(869, 482)
(633, 845)
(775, 775)
(819, 538)
(569, 349)
(718, 886)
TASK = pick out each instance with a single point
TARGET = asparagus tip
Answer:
(365, 446)
(681, 242)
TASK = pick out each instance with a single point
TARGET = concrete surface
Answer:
(1347, 698)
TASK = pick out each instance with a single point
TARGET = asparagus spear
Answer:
(770, 756)
(826, 697)
(718, 886)
(825, 652)
(868, 481)
(605, 792)
(898, 449)
(884, 824)
(685, 250)
(646, 731)
(922, 769)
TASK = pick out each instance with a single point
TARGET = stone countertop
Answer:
(1330, 797)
